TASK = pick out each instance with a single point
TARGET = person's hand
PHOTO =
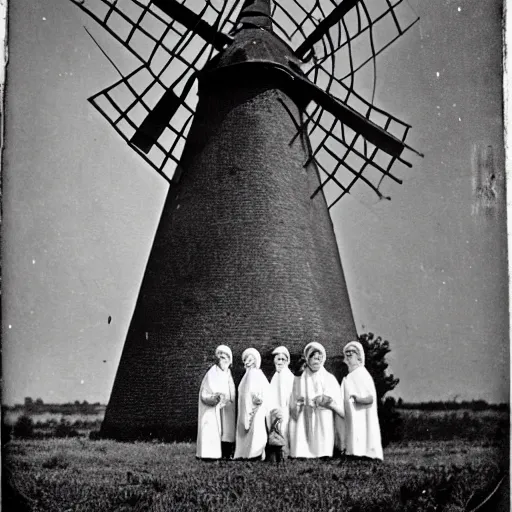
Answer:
(256, 400)
(325, 401)
(276, 414)
(362, 400)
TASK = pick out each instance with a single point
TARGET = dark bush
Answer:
(24, 427)
(94, 435)
(391, 421)
(56, 462)
(64, 429)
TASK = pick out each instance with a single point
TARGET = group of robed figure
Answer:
(302, 415)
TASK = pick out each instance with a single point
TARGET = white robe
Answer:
(281, 387)
(361, 436)
(216, 422)
(251, 431)
(311, 427)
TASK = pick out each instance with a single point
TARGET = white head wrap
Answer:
(252, 352)
(358, 347)
(224, 349)
(311, 347)
(281, 350)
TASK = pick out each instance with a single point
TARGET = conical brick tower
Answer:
(242, 255)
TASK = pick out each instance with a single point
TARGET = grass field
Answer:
(82, 475)
(447, 461)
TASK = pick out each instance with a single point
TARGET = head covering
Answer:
(281, 350)
(225, 350)
(252, 352)
(358, 347)
(311, 347)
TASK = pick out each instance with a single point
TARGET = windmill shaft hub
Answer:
(256, 13)
(256, 55)
(255, 44)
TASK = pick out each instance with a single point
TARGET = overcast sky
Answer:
(426, 270)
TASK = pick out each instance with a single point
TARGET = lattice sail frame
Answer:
(340, 61)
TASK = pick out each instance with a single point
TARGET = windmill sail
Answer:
(336, 45)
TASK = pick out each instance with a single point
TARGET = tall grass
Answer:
(82, 475)
(486, 426)
(447, 461)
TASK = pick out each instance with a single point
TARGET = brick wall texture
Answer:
(242, 256)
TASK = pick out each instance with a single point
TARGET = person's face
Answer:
(223, 361)
(280, 362)
(315, 361)
(250, 362)
(351, 358)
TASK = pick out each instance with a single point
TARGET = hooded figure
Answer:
(253, 400)
(361, 436)
(216, 417)
(315, 399)
(281, 387)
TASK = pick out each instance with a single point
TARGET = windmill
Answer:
(250, 110)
